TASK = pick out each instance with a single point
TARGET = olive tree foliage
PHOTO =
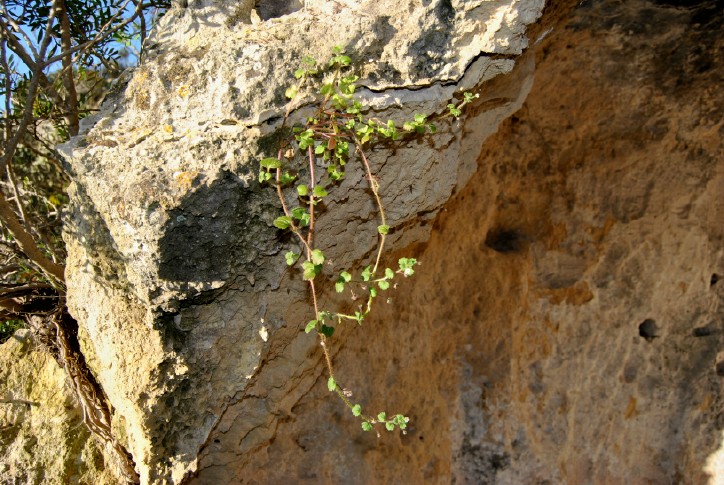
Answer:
(56, 59)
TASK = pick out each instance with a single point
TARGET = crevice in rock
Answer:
(720, 368)
(90, 395)
(704, 331)
(444, 83)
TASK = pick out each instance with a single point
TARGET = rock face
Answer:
(174, 267)
(567, 323)
(42, 436)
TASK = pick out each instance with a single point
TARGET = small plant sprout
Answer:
(455, 110)
(338, 133)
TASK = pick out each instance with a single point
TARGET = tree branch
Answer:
(102, 34)
(27, 243)
(71, 95)
(22, 127)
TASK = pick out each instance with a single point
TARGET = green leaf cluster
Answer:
(406, 266)
(339, 132)
(266, 167)
(400, 421)
(455, 110)
(419, 125)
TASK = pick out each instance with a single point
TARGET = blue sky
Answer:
(20, 67)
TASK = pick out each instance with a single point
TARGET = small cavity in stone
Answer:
(504, 240)
(703, 331)
(720, 368)
(648, 329)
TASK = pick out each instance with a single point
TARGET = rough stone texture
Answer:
(518, 350)
(42, 436)
(174, 268)
(566, 326)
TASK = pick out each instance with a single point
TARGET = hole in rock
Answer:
(714, 279)
(703, 331)
(720, 368)
(504, 240)
(217, 440)
(648, 329)
(500, 461)
(269, 9)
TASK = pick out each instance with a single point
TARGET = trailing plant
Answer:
(338, 133)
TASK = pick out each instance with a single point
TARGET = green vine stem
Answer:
(338, 122)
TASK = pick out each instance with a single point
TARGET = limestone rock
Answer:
(42, 436)
(520, 349)
(174, 268)
(565, 325)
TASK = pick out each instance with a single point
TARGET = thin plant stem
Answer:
(312, 179)
(293, 226)
(375, 190)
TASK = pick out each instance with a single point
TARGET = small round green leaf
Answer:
(270, 163)
(382, 416)
(356, 409)
(286, 178)
(283, 222)
(320, 191)
(331, 384)
(310, 270)
(291, 92)
(367, 426)
(367, 273)
(310, 326)
(291, 257)
(302, 190)
(317, 257)
(383, 229)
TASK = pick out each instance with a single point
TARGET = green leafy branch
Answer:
(337, 133)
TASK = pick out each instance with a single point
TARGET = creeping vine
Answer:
(338, 132)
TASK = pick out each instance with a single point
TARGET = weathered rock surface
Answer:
(42, 436)
(174, 267)
(567, 324)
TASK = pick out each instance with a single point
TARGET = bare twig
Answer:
(8, 86)
(16, 28)
(71, 96)
(27, 243)
(374, 186)
(16, 194)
